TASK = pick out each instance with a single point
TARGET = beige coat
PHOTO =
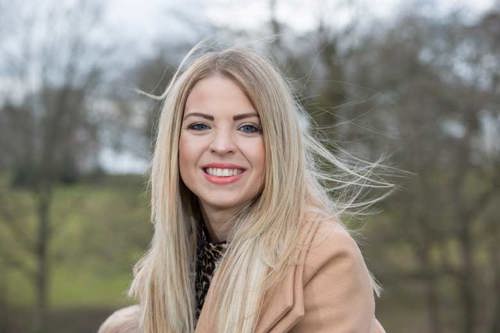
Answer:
(328, 291)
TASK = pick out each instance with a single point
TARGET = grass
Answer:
(88, 289)
(99, 230)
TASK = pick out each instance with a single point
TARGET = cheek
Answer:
(257, 156)
(188, 156)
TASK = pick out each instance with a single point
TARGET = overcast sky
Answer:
(142, 22)
(146, 16)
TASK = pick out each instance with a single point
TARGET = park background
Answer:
(417, 82)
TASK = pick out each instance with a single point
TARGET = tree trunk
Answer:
(431, 290)
(466, 279)
(44, 199)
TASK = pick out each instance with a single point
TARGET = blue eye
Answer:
(250, 129)
(197, 127)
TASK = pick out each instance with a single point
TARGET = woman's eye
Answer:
(250, 129)
(197, 127)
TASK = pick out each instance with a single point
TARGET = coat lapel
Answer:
(283, 305)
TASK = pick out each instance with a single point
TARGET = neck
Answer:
(218, 222)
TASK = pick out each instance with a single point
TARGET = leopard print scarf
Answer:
(208, 254)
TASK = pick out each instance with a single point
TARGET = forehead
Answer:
(218, 94)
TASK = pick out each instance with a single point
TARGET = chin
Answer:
(223, 204)
(223, 199)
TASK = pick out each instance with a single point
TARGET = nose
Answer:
(222, 142)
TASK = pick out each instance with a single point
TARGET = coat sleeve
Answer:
(124, 320)
(338, 294)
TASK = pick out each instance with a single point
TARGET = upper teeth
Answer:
(223, 172)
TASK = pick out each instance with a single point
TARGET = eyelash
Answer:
(256, 128)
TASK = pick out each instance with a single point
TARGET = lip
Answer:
(223, 166)
(222, 180)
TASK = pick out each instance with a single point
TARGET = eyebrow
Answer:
(211, 118)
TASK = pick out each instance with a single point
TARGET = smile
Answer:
(223, 172)
(221, 176)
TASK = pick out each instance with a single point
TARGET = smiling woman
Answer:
(221, 151)
(246, 237)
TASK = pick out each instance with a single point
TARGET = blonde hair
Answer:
(264, 239)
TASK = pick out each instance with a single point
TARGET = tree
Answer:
(52, 58)
(437, 84)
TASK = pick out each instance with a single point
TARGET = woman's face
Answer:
(221, 149)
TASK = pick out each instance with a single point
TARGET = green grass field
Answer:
(101, 228)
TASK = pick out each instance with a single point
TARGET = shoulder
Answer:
(337, 287)
(125, 320)
(332, 249)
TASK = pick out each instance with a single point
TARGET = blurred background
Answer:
(416, 80)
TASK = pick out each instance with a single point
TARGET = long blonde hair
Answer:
(264, 237)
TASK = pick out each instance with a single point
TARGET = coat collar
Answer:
(283, 305)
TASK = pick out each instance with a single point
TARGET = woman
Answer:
(246, 237)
